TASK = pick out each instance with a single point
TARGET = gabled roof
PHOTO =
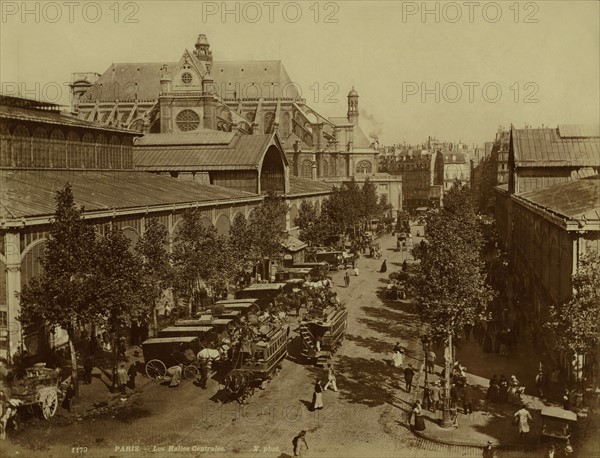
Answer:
(360, 139)
(565, 146)
(195, 152)
(572, 199)
(32, 193)
(249, 79)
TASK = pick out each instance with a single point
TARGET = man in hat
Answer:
(488, 450)
(409, 374)
(299, 443)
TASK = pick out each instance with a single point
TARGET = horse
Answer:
(8, 412)
(239, 385)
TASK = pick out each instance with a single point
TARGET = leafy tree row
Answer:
(348, 209)
(110, 283)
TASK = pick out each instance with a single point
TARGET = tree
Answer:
(156, 268)
(201, 257)
(267, 224)
(450, 287)
(575, 323)
(403, 222)
(121, 296)
(59, 296)
(240, 243)
(369, 204)
(312, 227)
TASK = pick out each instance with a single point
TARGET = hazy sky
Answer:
(543, 56)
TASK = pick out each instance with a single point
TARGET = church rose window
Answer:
(186, 78)
(187, 120)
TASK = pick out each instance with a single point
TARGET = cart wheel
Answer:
(191, 372)
(156, 369)
(48, 403)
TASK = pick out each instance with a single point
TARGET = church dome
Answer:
(352, 93)
(202, 40)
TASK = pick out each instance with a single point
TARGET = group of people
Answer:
(317, 400)
(503, 390)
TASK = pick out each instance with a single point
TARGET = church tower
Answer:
(353, 106)
(203, 52)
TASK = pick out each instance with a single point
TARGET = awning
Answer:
(293, 244)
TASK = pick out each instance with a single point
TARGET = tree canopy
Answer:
(449, 284)
(575, 323)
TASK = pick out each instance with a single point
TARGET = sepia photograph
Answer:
(337, 229)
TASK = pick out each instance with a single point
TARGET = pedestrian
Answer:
(522, 419)
(454, 397)
(397, 355)
(132, 373)
(503, 389)
(347, 279)
(331, 380)
(430, 361)
(122, 378)
(514, 396)
(539, 383)
(436, 395)
(356, 271)
(550, 451)
(488, 450)
(467, 399)
(409, 373)
(69, 395)
(175, 373)
(567, 399)
(568, 450)
(317, 403)
(299, 443)
(427, 397)
(493, 390)
(93, 347)
(383, 266)
(417, 413)
(88, 367)
(404, 266)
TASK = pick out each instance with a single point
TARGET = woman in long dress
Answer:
(383, 266)
(513, 391)
(318, 396)
(397, 355)
(419, 420)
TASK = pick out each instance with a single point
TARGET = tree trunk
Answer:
(74, 374)
(446, 413)
(155, 321)
(113, 386)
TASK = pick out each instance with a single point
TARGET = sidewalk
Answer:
(488, 422)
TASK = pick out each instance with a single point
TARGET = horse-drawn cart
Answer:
(160, 353)
(38, 388)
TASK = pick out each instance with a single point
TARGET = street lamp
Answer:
(426, 341)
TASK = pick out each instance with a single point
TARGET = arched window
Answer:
(74, 154)
(306, 169)
(268, 122)
(88, 153)
(324, 169)
(364, 167)
(57, 149)
(115, 153)
(21, 147)
(102, 149)
(41, 150)
(5, 146)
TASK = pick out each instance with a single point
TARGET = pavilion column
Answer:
(13, 287)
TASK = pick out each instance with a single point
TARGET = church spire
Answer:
(203, 52)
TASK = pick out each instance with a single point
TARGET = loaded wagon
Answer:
(245, 306)
(264, 293)
(333, 259)
(161, 353)
(206, 334)
(38, 389)
(558, 424)
(219, 327)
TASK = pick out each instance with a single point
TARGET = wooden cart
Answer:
(38, 388)
(161, 353)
